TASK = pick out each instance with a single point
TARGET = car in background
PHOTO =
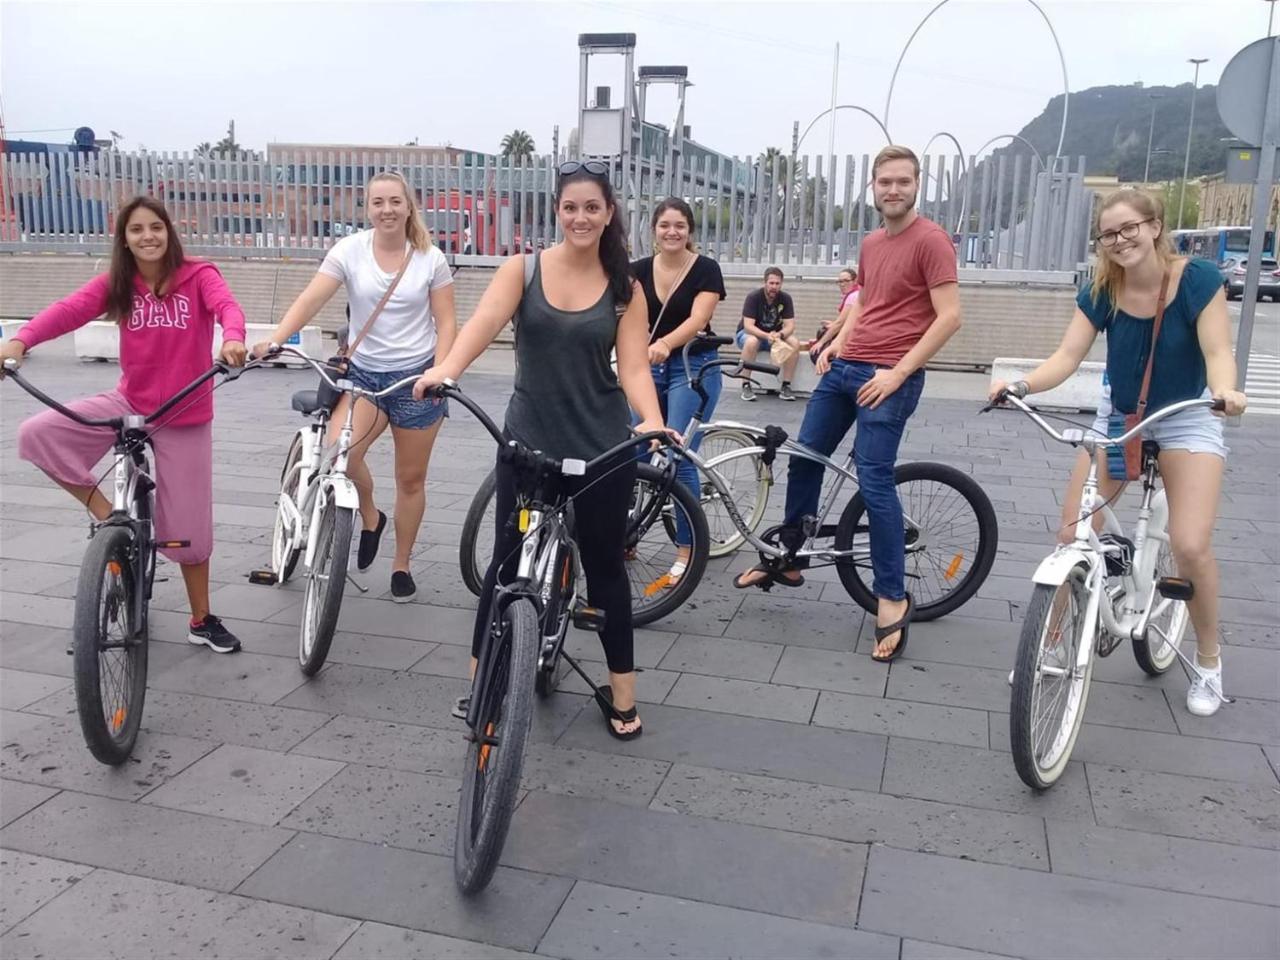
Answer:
(1268, 279)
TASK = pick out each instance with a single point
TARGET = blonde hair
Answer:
(415, 230)
(1108, 276)
(895, 152)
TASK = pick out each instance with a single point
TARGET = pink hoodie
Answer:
(164, 344)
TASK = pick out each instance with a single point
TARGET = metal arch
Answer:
(842, 106)
(1013, 136)
(1066, 88)
(951, 137)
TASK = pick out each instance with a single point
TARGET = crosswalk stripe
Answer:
(1262, 383)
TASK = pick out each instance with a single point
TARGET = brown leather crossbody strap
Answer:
(1155, 336)
(351, 347)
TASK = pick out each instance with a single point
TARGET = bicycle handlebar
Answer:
(321, 369)
(1103, 442)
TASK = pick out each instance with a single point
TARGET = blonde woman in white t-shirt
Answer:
(413, 332)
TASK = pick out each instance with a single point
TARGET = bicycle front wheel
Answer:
(495, 756)
(476, 549)
(283, 558)
(1050, 690)
(748, 479)
(950, 532)
(110, 651)
(652, 551)
(1155, 653)
(326, 579)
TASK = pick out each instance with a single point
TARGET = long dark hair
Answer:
(123, 266)
(681, 207)
(613, 242)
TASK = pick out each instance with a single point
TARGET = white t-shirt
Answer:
(404, 335)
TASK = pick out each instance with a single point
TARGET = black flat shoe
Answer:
(604, 700)
(888, 631)
(369, 542)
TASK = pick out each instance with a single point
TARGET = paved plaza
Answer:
(789, 797)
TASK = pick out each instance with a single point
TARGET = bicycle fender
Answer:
(343, 492)
(1053, 569)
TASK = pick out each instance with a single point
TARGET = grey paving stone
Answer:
(259, 786)
(381, 744)
(1159, 752)
(630, 781)
(650, 646)
(381, 695)
(652, 686)
(377, 805)
(408, 889)
(1020, 912)
(949, 684)
(140, 918)
(19, 689)
(445, 660)
(1253, 721)
(800, 623)
(704, 614)
(601, 921)
(31, 576)
(33, 609)
(251, 677)
(1169, 863)
(765, 700)
(51, 751)
(709, 860)
(182, 847)
(29, 882)
(841, 671)
(855, 816)
(1251, 634)
(742, 744)
(737, 659)
(378, 617)
(901, 718)
(229, 721)
(380, 941)
(980, 778)
(1183, 806)
(919, 950)
(16, 798)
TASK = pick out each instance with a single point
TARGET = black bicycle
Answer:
(109, 630)
(524, 627)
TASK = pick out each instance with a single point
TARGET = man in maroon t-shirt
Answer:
(873, 373)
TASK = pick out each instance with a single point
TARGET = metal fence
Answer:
(1002, 213)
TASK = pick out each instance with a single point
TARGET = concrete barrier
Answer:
(100, 340)
(1081, 391)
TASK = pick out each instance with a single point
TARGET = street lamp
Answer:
(1146, 171)
(1270, 14)
(1186, 160)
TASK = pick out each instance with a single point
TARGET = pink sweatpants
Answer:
(182, 467)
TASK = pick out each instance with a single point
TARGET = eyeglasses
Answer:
(1129, 231)
(594, 167)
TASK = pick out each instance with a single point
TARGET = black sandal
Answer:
(369, 542)
(770, 578)
(604, 699)
(900, 627)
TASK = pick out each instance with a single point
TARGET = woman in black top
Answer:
(682, 289)
(579, 304)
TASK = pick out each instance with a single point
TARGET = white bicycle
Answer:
(316, 510)
(1090, 596)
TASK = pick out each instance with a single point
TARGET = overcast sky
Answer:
(169, 75)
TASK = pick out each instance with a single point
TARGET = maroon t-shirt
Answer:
(896, 274)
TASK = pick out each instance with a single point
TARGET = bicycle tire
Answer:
(1154, 656)
(1023, 713)
(930, 604)
(479, 516)
(283, 562)
(104, 595)
(652, 596)
(725, 537)
(320, 612)
(491, 777)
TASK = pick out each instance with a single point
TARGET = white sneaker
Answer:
(1203, 699)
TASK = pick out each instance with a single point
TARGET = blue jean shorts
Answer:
(400, 407)
(1196, 430)
(762, 342)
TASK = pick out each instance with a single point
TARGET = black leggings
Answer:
(600, 528)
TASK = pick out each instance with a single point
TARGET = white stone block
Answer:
(1080, 391)
(100, 340)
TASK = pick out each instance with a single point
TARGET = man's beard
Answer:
(909, 201)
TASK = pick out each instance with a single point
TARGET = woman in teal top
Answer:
(1192, 359)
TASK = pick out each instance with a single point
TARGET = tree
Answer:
(203, 149)
(518, 144)
(1172, 195)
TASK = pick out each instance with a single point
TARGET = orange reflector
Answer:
(954, 567)
(661, 583)
(113, 568)
(564, 578)
(117, 719)
(483, 759)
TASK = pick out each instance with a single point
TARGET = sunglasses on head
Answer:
(595, 168)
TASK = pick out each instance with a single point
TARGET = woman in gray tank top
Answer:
(572, 305)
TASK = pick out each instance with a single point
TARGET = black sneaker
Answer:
(403, 589)
(369, 541)
(213, 635)
(785, 393)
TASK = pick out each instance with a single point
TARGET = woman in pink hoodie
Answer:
(166, 306)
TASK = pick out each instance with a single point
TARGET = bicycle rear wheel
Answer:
(951, 535)
(1155, 653)
(495, 756)
(110, 652)
(326, 580)
(283, 559)
(651, 545)
(476, 548)
(749, 480)
(1050, 691)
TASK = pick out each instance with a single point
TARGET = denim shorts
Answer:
(763, 342)
(400, 407)
(1196, 430)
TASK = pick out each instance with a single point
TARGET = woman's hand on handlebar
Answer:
(428, 382)
(1233, 403)
(263, 348)
(999, 388)
(14, 350)
(656, 426)
(232, 353)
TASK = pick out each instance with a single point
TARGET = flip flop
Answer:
(604, 700)
(770, 578)
(902, 626)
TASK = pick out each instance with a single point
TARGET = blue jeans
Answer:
(679, 403)
(832, 410)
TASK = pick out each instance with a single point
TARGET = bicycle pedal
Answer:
(171, 544)
(1176, 588)
(588, 618)
(265, 578)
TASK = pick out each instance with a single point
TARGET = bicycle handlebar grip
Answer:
(713, 341)
(772, 368)
(1219, 404)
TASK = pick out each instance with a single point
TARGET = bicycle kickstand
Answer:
(356, 583)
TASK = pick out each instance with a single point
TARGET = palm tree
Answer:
(204, 148)
(518, 144)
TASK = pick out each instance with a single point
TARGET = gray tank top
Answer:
(567, 400)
